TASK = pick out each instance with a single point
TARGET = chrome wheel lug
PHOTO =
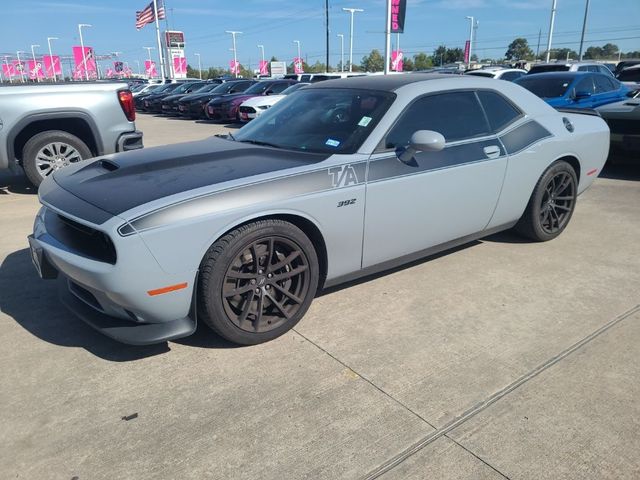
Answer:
(257, 290)
(253, 281)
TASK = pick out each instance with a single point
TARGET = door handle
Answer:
(492, 151)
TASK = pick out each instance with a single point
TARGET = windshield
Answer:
(319, 120)
(258, 88)
(546, 86)
(293, 88)
(138, 87)
(548, 68)
(183, 88)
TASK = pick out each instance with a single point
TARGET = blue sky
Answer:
(275, 24)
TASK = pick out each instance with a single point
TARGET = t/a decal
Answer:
(343, 176)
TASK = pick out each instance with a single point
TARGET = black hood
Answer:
(120, 182)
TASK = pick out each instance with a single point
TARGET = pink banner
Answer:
(180, 65)
(109, 73)
(264, 67)
(82, 57)
(150, 68)
(52, 65)
(234, 67)
(8, 70)
(35, 70)
(397, 60)
(467, 46)
(298, 65)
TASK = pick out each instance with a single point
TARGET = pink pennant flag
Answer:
(234, 66)
(150, 68)
(298, 65)
(397, 60)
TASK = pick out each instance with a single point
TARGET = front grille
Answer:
(81, 239)
(247, 110)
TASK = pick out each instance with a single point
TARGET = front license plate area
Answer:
(39, 259)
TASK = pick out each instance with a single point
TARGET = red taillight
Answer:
(127, 104)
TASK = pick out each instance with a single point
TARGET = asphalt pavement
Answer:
(501, 359)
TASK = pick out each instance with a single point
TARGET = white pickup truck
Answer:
(46, 127)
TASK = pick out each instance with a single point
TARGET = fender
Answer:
(53, 115)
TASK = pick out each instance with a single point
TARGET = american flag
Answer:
(148, 14)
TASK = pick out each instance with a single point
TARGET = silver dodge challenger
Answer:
(338, 180)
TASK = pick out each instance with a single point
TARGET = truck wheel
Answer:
(551, 204)
(257, 282)
(49, 151)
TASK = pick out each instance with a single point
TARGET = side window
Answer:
(510, 76)
(593, 68)
(603, 84)
(455, 115)
(583, 69)
(585, 85)
(499, 111)
(278, 88)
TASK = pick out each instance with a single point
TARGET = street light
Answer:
(33, 56)
(261, 48)
(84, 57)
(20, 64)
(6, 62)
(472, 20)
(53, 67)
(235, 53)
(138, 63)
(584, 28)
(150, 61)
(351, 11)
(341, 35)
(199, 65)
(298, 43)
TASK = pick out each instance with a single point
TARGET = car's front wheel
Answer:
(551, 204)
(257, 281)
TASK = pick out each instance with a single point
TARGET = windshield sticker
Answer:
(332, 143)
(364, 121)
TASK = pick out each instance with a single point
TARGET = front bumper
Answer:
(114, 298)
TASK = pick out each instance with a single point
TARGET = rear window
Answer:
(546, 86)
(481, 74)
(548, 68)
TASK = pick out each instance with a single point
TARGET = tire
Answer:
(551, 204)
(257, 281)
(49, 151)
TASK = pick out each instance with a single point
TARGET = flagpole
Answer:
(160, 51)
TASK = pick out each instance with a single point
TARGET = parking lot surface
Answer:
(502, 359)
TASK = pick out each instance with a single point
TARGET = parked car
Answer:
(339, 180)
(164, 88)
(625, 64)
(153, 103)
(46, 127)
(575, 89)
(570, 67)
(169, 104)
(623, 119)
(144, 88)
(255, 106)
(195, 104)
(630, 76)
(509, 74)
(225, 108)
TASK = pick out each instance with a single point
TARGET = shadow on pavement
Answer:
(11, 182)
(622, 168)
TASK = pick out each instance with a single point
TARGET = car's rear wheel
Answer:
(551, 204)
(257, 281)
(49, 151)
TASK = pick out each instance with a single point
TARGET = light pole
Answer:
(551, 22)
(6, 62)
(84, 57)
(341, 35)
(584, 28)
(150, 61)
(138, 63)
(298, 43)
(235, 53)
(33, 56)
(352, 11)
(472, 20)
(20, 64)
(199, 65)
(53, 67)
(261, 48)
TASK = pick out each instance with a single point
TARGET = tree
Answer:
(373, 62)
(561, 54)
(407, 65)
(519, 50)
(610, 50)
(454, 55)
(422, 61)
(439, 54)
(317, 67)
(592, 53)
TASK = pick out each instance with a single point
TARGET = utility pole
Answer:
(326, 12)
(235, 54)
(341, 35)
(551, 22)
(352, 11)
(584, 28)
(538, 48)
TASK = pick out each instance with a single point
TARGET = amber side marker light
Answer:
(170, 288)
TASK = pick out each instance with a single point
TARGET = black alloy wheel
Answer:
(551, 204)
(257, 281)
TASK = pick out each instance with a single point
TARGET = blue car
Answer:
(575, 89)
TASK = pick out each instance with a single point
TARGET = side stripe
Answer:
(522, 137)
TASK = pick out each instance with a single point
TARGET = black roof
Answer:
(381, 82)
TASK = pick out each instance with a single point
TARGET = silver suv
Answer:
(570, 67)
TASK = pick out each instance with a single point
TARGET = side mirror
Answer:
(422, 141)
(581, 95)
